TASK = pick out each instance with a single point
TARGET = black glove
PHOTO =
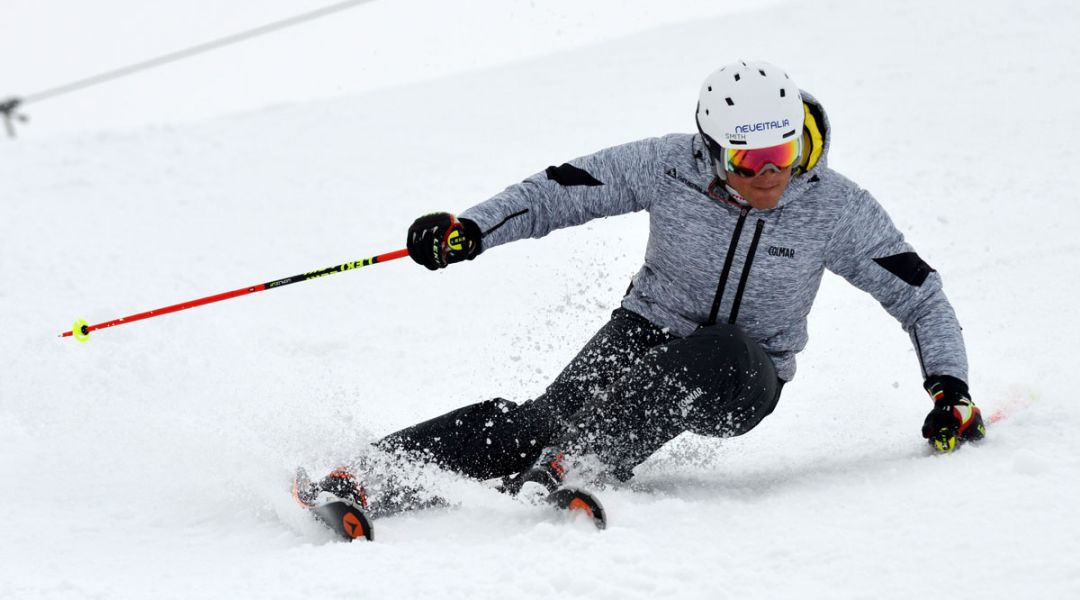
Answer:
(439, 239)
(955, 418)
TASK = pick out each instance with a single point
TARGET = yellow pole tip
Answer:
(81, 330)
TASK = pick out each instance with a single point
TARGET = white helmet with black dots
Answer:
(749, 105)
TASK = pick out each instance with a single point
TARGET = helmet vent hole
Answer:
(762, 71)
(706, 111)
(729, 101)
(737, 77)
(783, 93)
(710, 88)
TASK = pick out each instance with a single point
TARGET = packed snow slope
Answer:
(374, 44)
(154, 460)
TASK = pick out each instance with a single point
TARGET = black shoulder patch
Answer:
(907, 266)
(568, 175)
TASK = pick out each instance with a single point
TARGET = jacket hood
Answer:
(816, 135)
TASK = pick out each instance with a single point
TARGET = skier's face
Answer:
(763, 190)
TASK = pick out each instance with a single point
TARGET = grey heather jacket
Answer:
(761, 268)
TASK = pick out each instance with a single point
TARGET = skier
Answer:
(745, 216)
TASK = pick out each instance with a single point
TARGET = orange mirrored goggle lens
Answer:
(749, 163)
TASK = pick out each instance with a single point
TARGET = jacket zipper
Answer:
(726, 271)
(746, 270)
(727, 266)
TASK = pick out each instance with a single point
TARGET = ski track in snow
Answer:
(155, 459)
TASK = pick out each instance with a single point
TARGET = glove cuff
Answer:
(474, 235)
(947, 390)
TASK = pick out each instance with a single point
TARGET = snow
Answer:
(155, 459)
(48, 43)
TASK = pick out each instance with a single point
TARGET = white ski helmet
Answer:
(748, 105)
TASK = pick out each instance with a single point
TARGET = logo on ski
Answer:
(352, 525)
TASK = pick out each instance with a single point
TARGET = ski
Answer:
(344, 518)
(578, 501)
(352, 520)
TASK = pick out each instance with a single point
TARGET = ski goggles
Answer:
(750, 163)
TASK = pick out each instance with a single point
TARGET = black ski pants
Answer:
(632, 388)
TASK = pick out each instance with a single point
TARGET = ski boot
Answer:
(338, 501)
(387, 488)
(546, 481)
(339, 483)
(545, 477)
